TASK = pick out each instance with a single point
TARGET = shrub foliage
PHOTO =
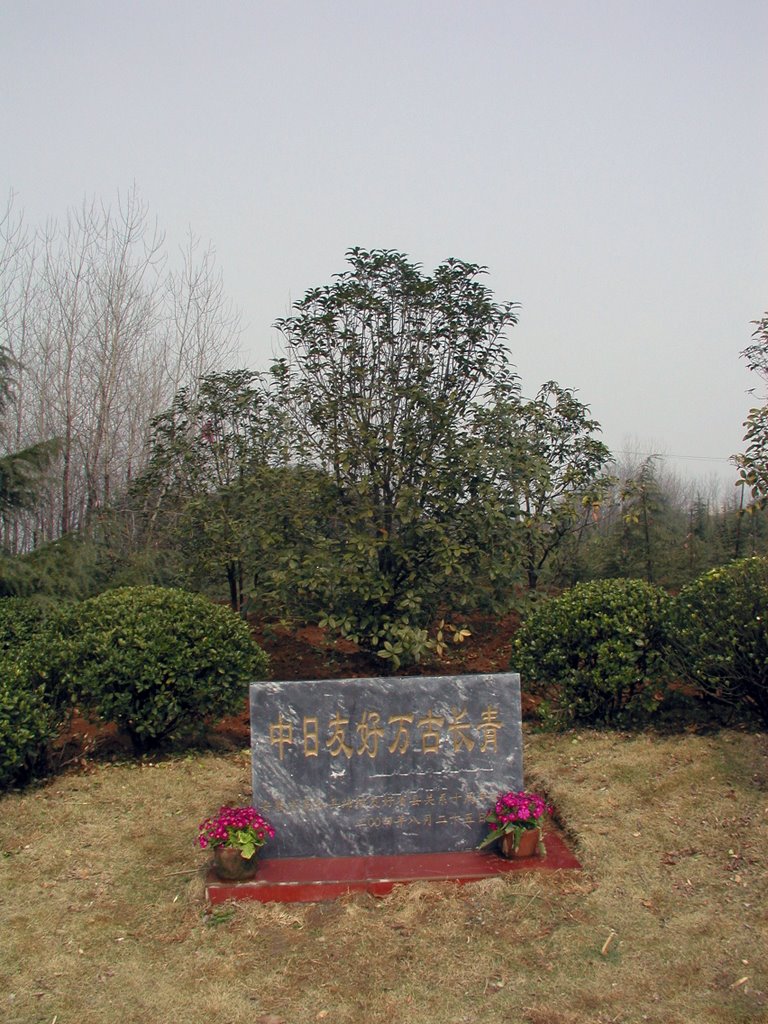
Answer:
(32, 705)
(28, 723)
(599, 647)
(720, 636)
(21, 622)
(158, 662)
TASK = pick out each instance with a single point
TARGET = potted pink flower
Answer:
(236, 836)
(516, 819)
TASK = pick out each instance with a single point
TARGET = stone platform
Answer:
(313, 879)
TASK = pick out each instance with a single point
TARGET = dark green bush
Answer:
(32, 704)
(719, 639)
(26, 725)
(598, 648)
(160, 663)
(21, 622)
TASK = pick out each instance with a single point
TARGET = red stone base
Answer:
(311, 879)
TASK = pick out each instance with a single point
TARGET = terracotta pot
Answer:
(230, 865)
(527, 847)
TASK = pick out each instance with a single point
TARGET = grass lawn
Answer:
(103, 919)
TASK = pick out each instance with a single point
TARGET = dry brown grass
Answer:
(103, 918)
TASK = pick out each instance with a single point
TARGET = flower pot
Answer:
(527, 847)
(230, 865)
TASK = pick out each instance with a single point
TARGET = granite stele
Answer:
(361, 767)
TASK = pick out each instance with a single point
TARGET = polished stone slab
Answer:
(315, 879)
(383, 766)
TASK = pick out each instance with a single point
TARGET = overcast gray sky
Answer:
(606, 160)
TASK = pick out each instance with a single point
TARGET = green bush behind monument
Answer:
(158, 662)
(719, 635)
(599, 648)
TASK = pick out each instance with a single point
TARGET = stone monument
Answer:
(380, 766)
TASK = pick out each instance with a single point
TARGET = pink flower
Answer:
(234, 826)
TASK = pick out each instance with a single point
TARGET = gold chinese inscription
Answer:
(424, 733)
(402, 739)
(281, 735)
(311, 737)
(370, 732)
(336, 742)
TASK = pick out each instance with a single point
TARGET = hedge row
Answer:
(609, 649)
(160, 663)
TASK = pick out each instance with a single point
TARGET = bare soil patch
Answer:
(308, 652)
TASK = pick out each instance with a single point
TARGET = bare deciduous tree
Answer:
(103, 334)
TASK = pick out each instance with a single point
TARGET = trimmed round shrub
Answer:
(158, 662)
(719, 639)
(28, 723)
(32, 704)
(599, 648)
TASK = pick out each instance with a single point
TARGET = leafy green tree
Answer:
(550, 465)
(210, 456)
(651, 523)
(647, 527)
(22, 475)
(22, 472)
(753, 463)
(643, 503)
(388, 368)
